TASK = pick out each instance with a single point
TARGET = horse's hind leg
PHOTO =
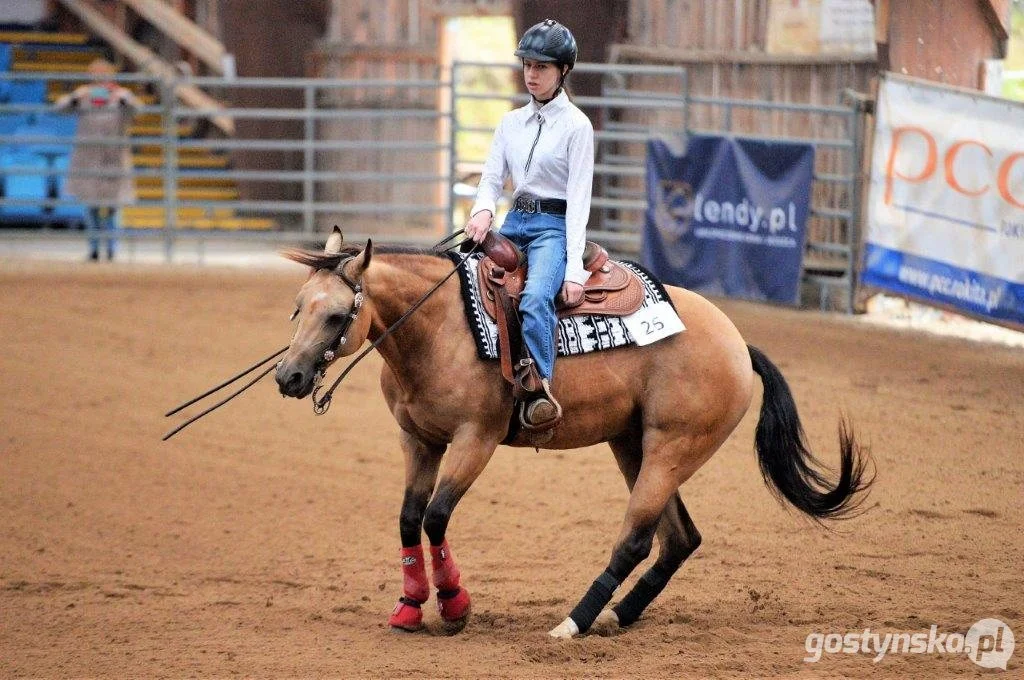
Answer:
(661, 473)
(678, 538)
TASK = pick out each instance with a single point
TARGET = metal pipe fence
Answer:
(397, 159)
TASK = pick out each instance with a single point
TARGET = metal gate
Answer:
(390, 159)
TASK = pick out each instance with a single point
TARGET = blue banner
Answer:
(729, 216)
(931, 280)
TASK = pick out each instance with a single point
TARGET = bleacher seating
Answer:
(65, 213)
(35, 52)
(23, 185)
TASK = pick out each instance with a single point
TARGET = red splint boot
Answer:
(455, 607)
(407, 615)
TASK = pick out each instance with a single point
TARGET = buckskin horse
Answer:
(664, 409)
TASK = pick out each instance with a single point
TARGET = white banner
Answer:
(946, 201)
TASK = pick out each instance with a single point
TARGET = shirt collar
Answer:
(549, 110)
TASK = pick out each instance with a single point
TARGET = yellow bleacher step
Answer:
(22, 54)
(32, 37)
(56, 88)
(230, 223)
(155, 161)
(189, 194)
(156, 150)
(49, 67)
(149, 119)
(211, 181)
(157, 130)
(151, 212)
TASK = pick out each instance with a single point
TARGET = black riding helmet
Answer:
(548, 41)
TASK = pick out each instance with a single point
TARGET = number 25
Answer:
(652, 326)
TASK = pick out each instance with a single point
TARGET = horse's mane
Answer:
(321, 260)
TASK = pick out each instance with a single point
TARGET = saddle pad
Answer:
(577, 334)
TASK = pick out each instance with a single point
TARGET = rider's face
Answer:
(541, 78)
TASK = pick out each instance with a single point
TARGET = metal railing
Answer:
(385, 158)
(302, 165)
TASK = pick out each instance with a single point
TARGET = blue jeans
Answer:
(542, 237)
(101, 222)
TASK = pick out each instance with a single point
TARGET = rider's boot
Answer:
(539, 411)
(544, 411)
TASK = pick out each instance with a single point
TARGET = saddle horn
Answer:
(500, 249)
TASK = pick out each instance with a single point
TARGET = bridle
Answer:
(320, 406)
(322, 403)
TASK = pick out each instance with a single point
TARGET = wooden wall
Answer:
(269, 39)
(698, 24)
(389, 40)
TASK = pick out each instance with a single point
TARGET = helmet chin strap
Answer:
(542, 102)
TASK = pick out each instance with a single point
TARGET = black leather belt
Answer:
(529, 204)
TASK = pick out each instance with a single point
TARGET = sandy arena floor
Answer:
(263, 540)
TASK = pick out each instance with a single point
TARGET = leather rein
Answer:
(322, 403)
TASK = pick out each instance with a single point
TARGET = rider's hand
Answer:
(478, 225)
(572, 293)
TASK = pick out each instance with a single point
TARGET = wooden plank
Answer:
(39, 38)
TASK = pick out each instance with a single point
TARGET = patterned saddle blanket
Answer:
(578, 333)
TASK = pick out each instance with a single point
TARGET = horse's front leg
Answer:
(470, 452)
(421, 464)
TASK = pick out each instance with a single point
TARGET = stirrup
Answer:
(542, 412)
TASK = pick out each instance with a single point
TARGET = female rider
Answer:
(547, 148)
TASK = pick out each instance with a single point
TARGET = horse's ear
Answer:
(364, 257)
(334, 242)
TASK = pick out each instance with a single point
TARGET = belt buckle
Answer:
(527, 205)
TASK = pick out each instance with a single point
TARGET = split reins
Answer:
(321, 404)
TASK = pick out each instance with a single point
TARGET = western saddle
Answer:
(611, 290)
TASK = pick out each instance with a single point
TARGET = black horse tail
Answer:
(788, 466)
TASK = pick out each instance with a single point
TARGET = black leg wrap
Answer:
(643, 593)
(593, 602)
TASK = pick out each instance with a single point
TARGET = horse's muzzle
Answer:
(293, 382)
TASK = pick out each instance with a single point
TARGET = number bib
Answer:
(653, 323)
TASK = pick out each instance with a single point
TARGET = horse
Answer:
(663, 408)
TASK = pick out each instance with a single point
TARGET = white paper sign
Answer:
(653, 323)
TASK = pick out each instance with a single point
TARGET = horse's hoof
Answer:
(455, 608)
(406, 617)
(606, 623)
(566, 630)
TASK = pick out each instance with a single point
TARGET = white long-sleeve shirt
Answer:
(561, 140)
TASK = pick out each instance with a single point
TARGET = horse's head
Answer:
(327, 308)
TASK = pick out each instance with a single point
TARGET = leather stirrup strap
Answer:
(510, 336)
(527, 383)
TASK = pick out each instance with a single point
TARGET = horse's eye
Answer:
(336, 319)
(294, 314)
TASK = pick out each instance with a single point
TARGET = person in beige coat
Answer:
(105, 110)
